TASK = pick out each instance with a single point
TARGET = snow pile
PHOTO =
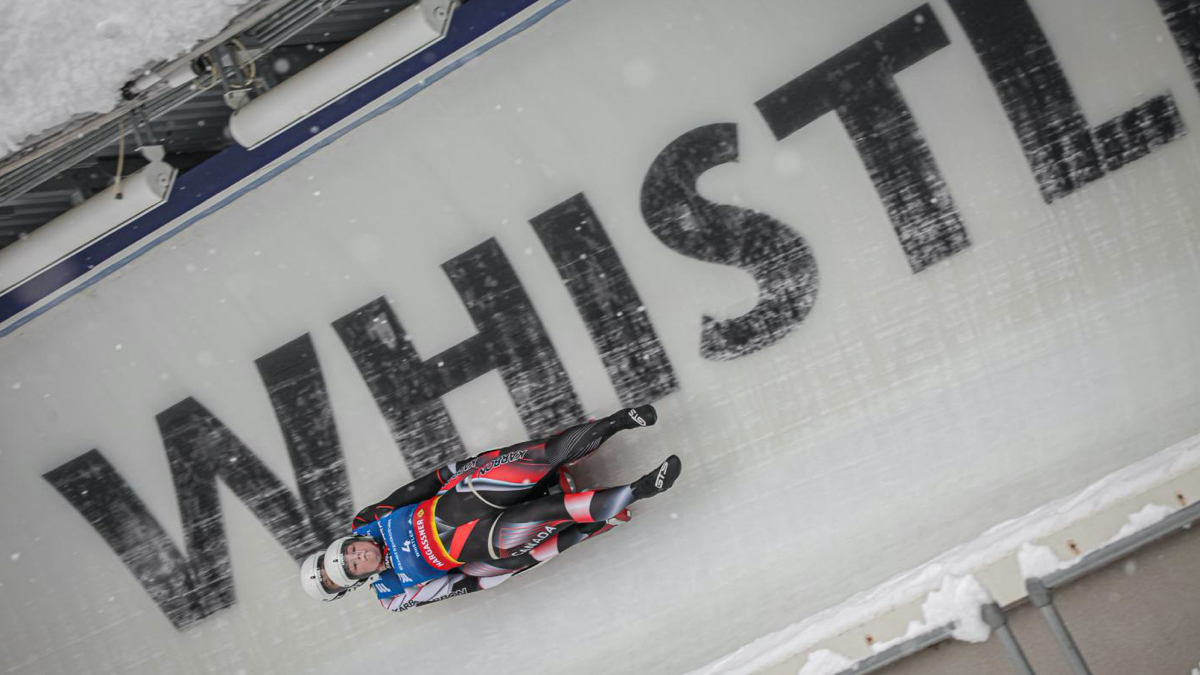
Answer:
(825, 662)
(993, 545)
(1039, 561)
(958, 602)
(1149, 515)
(63, 58)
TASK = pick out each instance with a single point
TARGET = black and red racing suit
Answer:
(495, 515)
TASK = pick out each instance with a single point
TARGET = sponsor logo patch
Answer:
(507, 458)
(636, 417)
(539, 538)
(662, 474)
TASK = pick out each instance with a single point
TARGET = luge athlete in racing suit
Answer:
(473, 524)
(477, 576)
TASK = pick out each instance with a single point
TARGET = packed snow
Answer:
(1039, 561)
(1150, 515)
(43, 85)
(957, 604)
(825, 662)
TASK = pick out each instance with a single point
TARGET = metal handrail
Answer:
(900, 651)
(1104, 556)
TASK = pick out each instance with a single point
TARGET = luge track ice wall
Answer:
(892, 273)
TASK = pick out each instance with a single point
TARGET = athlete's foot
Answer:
(632, 418)
(659, 480)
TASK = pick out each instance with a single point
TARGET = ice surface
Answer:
(63, 58)
(905, 415)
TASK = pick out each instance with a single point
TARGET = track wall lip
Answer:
(37, 295)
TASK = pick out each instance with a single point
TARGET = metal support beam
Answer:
(1043, 599)
(997, 620)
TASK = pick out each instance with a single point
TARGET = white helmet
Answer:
(335, 562)
(310, 580)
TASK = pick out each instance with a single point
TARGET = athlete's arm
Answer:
(415, 491)
(420, 489)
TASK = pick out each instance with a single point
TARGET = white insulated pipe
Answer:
(350, 66)
(84, 224)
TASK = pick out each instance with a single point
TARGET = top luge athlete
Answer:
(473, 524)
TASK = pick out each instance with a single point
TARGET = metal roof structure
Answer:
(265, 44)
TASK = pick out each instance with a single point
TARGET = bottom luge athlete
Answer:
(471, 525)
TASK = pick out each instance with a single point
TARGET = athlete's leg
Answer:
(515, 531)
(583, 439)
(525, 471)
(546, 549)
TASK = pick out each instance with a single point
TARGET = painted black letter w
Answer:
(200, 449)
